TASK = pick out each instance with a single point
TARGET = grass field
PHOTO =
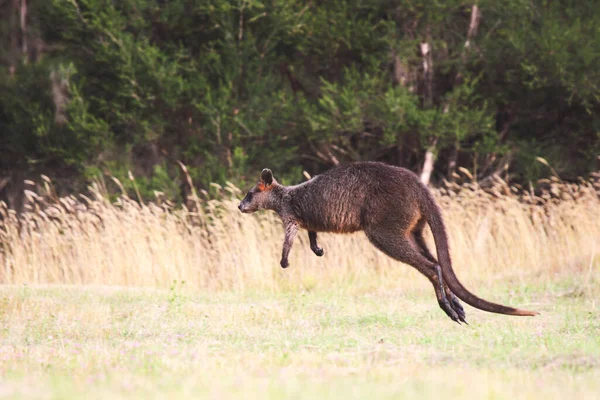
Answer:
(107, 342)
(108, 300)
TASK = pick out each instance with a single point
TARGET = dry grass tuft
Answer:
(496, 232)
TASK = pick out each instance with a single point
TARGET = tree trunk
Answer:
(427, 103)
(473, 26)
(427, 166)
(427, 74)
(400, 71)
(14, 38)
(452, 162)
(428, 163)
(23, 22)
(60, 87)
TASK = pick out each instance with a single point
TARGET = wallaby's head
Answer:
(259, 197)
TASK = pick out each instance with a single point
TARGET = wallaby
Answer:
(390, 204)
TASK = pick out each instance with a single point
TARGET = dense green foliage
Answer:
(94, 88)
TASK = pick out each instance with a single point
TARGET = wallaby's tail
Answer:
(435, 221)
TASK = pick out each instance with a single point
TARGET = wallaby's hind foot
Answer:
(446, 306)
(458, 308)
(452, 306)
(453, 309)
(417, 236)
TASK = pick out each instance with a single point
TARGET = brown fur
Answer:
(389, 204)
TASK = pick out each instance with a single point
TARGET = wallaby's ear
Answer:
(266, 176)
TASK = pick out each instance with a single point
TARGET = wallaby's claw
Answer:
(458, 308)
(453, 309)
(447, 307)
(284, 263)
(318, 251)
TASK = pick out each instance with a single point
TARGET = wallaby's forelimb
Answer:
(291, 229)
(312, 236)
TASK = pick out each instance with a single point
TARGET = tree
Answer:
(231, 86)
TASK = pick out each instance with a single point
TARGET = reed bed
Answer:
(496, 233)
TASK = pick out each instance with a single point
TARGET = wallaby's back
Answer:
(350, 197)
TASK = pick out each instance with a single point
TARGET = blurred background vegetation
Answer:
(96, 88)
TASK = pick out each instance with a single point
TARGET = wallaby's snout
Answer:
(245, 205)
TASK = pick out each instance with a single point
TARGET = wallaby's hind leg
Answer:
(420, 242)
(402, 248)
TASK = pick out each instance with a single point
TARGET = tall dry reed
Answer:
(494, 234)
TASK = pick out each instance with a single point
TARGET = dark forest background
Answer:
(96, 88)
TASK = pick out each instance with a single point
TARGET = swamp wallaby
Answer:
(390, 204)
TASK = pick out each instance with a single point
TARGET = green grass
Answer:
(103, 342)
